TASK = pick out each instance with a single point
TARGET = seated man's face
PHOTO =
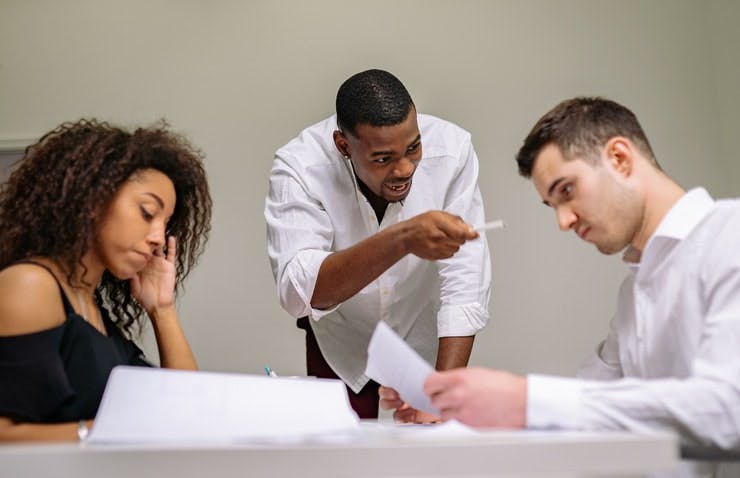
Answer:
(591, 197)
(385, 157)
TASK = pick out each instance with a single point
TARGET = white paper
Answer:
(392, 363)
(148, 406)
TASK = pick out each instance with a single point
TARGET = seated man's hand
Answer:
(404, 413)
(479, 397)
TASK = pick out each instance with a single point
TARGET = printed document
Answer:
(393, 363)
(159, 406)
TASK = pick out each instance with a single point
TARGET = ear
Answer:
(620, 155)
(340, 141)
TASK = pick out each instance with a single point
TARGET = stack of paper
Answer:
(147, 406)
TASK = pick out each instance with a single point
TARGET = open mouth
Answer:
(399, 189)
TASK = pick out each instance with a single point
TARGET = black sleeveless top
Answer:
(59, 374)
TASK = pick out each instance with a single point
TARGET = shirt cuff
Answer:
(461, 320)
(316, 314)
(298, 283)
(553, 402)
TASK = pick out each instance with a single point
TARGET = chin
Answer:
(397, 198)
(609, 249)
(122, 273)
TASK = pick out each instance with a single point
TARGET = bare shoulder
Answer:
(29, 300)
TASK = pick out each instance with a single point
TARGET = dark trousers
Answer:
(365, 402)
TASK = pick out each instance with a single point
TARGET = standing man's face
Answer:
(592, 199)
(384, 157)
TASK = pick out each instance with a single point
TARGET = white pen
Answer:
(498, 224)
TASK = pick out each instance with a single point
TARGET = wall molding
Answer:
(15, 144)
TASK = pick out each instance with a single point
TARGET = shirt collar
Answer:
(680, 220)
(685, 215)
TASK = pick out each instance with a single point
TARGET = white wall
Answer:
(242, 78)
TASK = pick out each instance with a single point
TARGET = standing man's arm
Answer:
(311, 279)
(432, 235)
(454, 352)
(465, 278)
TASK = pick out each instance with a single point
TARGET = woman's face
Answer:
(133, 225)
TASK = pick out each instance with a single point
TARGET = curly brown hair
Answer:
(52, 202)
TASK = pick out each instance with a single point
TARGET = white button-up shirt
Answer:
(314, 208)
(671, 359)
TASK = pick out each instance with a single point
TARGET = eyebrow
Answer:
(156, 198)
(387, 153)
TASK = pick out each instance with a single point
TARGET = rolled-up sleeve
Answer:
(299, 238)
(465, 288)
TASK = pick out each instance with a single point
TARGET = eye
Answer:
(566, 191)
(414, 147)
(382, 160)
(146, 214)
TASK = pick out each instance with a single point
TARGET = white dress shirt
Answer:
(314, 208)
(671, 359)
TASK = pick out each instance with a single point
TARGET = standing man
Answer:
(671, 359)
(364, 225)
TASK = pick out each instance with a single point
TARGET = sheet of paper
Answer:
(159, 406)
(392, 363)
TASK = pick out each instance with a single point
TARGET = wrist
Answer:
(400, 234)
(160, 312)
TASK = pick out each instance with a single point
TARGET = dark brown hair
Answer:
(578, 127)
(52, 202)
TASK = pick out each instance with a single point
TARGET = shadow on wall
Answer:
(9, 155)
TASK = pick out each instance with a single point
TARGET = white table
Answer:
(379, 454)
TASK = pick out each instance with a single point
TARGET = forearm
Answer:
(454, 352)
(34, 432)
(344, 273)
(702, 409)
(173, 346)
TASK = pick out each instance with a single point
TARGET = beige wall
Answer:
(725, 52)
(242, 78)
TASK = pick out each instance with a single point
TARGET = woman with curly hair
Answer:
(98, 228)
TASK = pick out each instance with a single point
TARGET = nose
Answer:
(566, 218)
(404, 167)
(156, 234)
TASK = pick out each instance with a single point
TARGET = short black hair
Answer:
(578, 127)
(373, 97)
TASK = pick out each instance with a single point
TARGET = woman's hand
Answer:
(154, 286)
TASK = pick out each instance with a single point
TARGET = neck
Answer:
(87, 275)
(661, 194)
(378, 204)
